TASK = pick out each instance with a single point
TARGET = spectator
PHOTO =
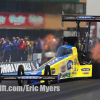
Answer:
(12, 51)
(38, 63)
(21, 49)
(17, 41)
(34, 46)
(57, 44)
(7, 50)
(27, 48)
(1, 50)
(15, 44)
(94, 40)
(39, 47)
(3, 40)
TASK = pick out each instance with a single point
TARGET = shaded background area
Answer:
(51, 24)
(33, 34)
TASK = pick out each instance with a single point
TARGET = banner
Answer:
(21, 19)
(13, 67)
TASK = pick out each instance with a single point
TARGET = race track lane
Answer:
(86, 89)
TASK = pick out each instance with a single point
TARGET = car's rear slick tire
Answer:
(96, 71)
(20, 73)
(46, 73)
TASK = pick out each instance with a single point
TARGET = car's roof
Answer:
(68, 46)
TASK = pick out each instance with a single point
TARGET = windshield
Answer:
(62, 51)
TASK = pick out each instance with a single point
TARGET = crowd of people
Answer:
(18, 49)
(45, 45)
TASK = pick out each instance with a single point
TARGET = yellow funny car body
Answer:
(66, 64)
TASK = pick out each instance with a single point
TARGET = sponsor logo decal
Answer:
(75, 61)
(85, 69)
(30, 77)
(13, 67)
(22, 19)
(69, 64)
(2, 19)
(35, 72)
(63, 69)
(75, 69)
(17, 20)
(73, 72)
(10, 78)
(86, 73)
(35, 19)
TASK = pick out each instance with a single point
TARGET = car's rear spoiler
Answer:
(79, 18)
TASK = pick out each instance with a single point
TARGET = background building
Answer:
(37, 19)
(48, 17)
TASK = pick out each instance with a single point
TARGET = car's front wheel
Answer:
(47, 73)
(20, 73)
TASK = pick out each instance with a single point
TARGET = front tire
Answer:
(46, 73)
(20, 73)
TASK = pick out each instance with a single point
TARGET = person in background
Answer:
(6, 47)
(12, 50)
(28, 45)
(57, 44)
(15, 44)
(21, 49)
(3, 42)
(1, 50)
(90, 44)
(38, 63)
(81, 45)
(17, 41)
(34, 46)
(94, 40)
(39, 47)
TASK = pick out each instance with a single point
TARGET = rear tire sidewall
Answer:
(96, 71)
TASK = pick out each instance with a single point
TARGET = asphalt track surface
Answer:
(73, 89)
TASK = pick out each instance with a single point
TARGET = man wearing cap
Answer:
(6, 47)
(27, 48)
(15, 44)
(21, 49)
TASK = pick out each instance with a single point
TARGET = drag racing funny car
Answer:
(64, 65)
(70, 61)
